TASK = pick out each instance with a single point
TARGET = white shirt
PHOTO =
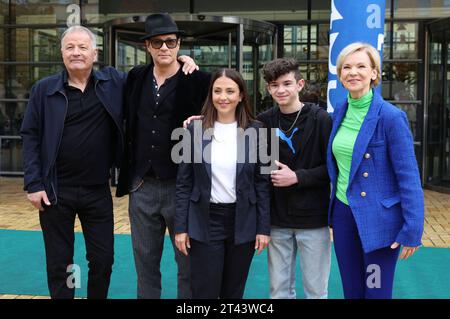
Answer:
(223, 163)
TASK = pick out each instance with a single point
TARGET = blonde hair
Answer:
(372, 53)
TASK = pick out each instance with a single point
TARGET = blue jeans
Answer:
(315, 257)
(152, 210)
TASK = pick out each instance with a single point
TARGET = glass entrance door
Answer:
(129, 50)
(438, 125)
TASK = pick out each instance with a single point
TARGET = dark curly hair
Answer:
(274, 69)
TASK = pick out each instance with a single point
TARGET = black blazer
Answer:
(191, 91)
(193, 192)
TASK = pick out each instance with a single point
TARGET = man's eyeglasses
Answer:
(158, 43)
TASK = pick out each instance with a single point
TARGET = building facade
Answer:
(240, 34)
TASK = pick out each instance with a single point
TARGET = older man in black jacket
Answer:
(72, 135)
(158, 97)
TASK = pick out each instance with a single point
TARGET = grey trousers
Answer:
(152, 209)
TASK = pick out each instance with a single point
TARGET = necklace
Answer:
(295, 121)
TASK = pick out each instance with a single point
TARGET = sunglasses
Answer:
(158, 43)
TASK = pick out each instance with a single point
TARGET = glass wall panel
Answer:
(35, 45)
(130, 56)
(413, 112)
(40, 12)
(435, 132)
(22, 77)
(387, 41)
(267, 10)
(4, 11)
(321, 9)
(99, 11)
(211, 56)
(388, 9)
(318, 72)
(405, 40)
(404, 81)
(3, 44)
(315, 89)
(296, 41)
(256, 54)
(319, 51)
(298, 51)
(10, 155)
(11, 116)
(438, 133)
(400, 81)
(310, 49)
(421, 8)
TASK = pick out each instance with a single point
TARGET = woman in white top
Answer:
(222, 199)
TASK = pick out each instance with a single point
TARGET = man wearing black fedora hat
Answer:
(158, 97)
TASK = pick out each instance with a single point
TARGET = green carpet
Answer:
(22, 270)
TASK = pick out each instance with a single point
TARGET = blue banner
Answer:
(352, 21)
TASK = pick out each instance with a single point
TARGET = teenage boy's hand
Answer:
(284, 176)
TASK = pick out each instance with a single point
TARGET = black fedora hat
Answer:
(160, 24)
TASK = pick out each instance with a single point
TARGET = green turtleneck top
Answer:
(345, 139)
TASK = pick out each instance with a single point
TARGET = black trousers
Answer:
(93, 205)
(219, 268)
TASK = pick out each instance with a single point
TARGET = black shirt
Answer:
(290, 141)
(86, 150)
(155, 123)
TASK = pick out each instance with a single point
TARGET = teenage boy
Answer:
(300, 187)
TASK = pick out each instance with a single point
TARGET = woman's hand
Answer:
(189, 65)
(406, 252)
(261, 242)
(190, 119)
(182, 243)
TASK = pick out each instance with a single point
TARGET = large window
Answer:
(309, 44)
(99, 11)
(268, 10)
(402, 67)
(40, 12)
(421, 8)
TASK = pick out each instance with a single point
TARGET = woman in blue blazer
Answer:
(377, 200)
(222, 199)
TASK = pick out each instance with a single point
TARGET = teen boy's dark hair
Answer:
(274, 69)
